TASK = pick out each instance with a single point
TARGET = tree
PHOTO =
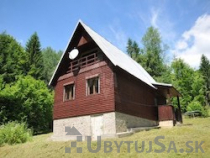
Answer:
(50, 58)
(165, 75)
(197, 88)
(188, 82)
(205, 71)
(34, 57)
(28, 100)
(152, 53)
(133, 49)
(12, 59)
(182, 80)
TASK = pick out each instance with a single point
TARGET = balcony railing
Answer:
(83, 62)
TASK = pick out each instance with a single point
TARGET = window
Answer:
(93, 86)
(69, 92)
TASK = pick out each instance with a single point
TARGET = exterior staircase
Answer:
(131, 131)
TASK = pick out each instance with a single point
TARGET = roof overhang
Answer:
(167, 89)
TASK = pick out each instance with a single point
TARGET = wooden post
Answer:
(169, 97)
(179, 110)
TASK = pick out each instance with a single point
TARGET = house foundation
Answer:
(106, 125)
(166, 124)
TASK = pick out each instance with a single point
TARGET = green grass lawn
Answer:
(199, 130)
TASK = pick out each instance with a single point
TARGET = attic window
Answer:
(69, 92)
(93, 86)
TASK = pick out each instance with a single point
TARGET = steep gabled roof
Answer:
(116, 56)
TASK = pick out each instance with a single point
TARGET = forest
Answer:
(26, 70)
(24, 76)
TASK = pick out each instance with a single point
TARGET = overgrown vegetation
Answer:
(24, 73)
(27, 100)
(14, 133)
(194, 85)
(196, 129)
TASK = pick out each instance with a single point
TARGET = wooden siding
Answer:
(166, 112)
(82, 104)
(161, 100)
(134, 97)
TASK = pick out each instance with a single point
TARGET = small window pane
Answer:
(93, 86)
(69, 92)
(96, 85)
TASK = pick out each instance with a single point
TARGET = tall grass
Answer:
(14, 133)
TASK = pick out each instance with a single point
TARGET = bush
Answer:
(196, 106)
(27, 100)
(14, 133)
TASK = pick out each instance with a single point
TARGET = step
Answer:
(124, 134)
(139, 129)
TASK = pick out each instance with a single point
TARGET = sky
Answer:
(184, 25)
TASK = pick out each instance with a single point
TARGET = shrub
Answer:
(14, 133)
(196, 106)
(27, 100)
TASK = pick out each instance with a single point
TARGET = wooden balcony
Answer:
(83, 62)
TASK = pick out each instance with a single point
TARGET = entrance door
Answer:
(96, 126)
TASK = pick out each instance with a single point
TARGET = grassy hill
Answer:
(199, 130)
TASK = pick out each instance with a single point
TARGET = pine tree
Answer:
(133, 49)
(152, 53)
(205, 71)
(34, 57)
(151, 56)
(129, 47)
(50, 58)
(12, 59)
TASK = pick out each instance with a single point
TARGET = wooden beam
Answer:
(179, 110)
(168, 97)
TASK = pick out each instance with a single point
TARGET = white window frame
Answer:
(64, 91)
(87, 87)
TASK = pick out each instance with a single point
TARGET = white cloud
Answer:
(158, 17)
(118, 36)
(181, 45)
(154, 18)
(195, 42)
(114, 34)
(160, 20)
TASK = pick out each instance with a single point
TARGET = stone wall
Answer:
(113, 123)
(124, 122)
(168, 123)
(83, 125)
(109, 123)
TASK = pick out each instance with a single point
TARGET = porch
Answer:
(168, 115)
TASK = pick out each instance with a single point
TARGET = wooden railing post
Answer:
(83, 60)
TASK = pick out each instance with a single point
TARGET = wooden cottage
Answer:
(102, 91)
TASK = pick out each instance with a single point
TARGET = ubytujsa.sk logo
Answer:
(139, 146)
